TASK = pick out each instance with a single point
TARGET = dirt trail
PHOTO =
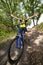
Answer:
(33, 52)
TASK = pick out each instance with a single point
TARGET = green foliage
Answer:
(32, 6)
(5, 33)
(18, 8)
(6, 8)
(29, 22)
(6, 21)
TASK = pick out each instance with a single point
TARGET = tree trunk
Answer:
(37, 22)
(12, 23)
(33, 22)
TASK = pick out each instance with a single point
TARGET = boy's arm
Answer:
(35, 15)
(15, 17)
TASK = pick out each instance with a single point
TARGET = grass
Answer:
(40, 27)
(5, 34)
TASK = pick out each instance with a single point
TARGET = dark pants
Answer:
(20, 31)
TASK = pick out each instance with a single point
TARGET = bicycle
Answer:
(16, 53)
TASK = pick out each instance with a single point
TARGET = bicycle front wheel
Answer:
(14, 54)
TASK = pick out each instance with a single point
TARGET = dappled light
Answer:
(38, 40)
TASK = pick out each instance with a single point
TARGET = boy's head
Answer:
(24, 17)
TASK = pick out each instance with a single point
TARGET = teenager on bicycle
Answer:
(22, 26)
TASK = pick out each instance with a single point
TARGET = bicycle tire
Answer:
(20, 55)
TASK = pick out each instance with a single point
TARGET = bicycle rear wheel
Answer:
(14, 54)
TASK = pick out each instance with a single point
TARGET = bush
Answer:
(5, 33)
(40, 27)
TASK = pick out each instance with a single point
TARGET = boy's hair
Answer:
(24, 16)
